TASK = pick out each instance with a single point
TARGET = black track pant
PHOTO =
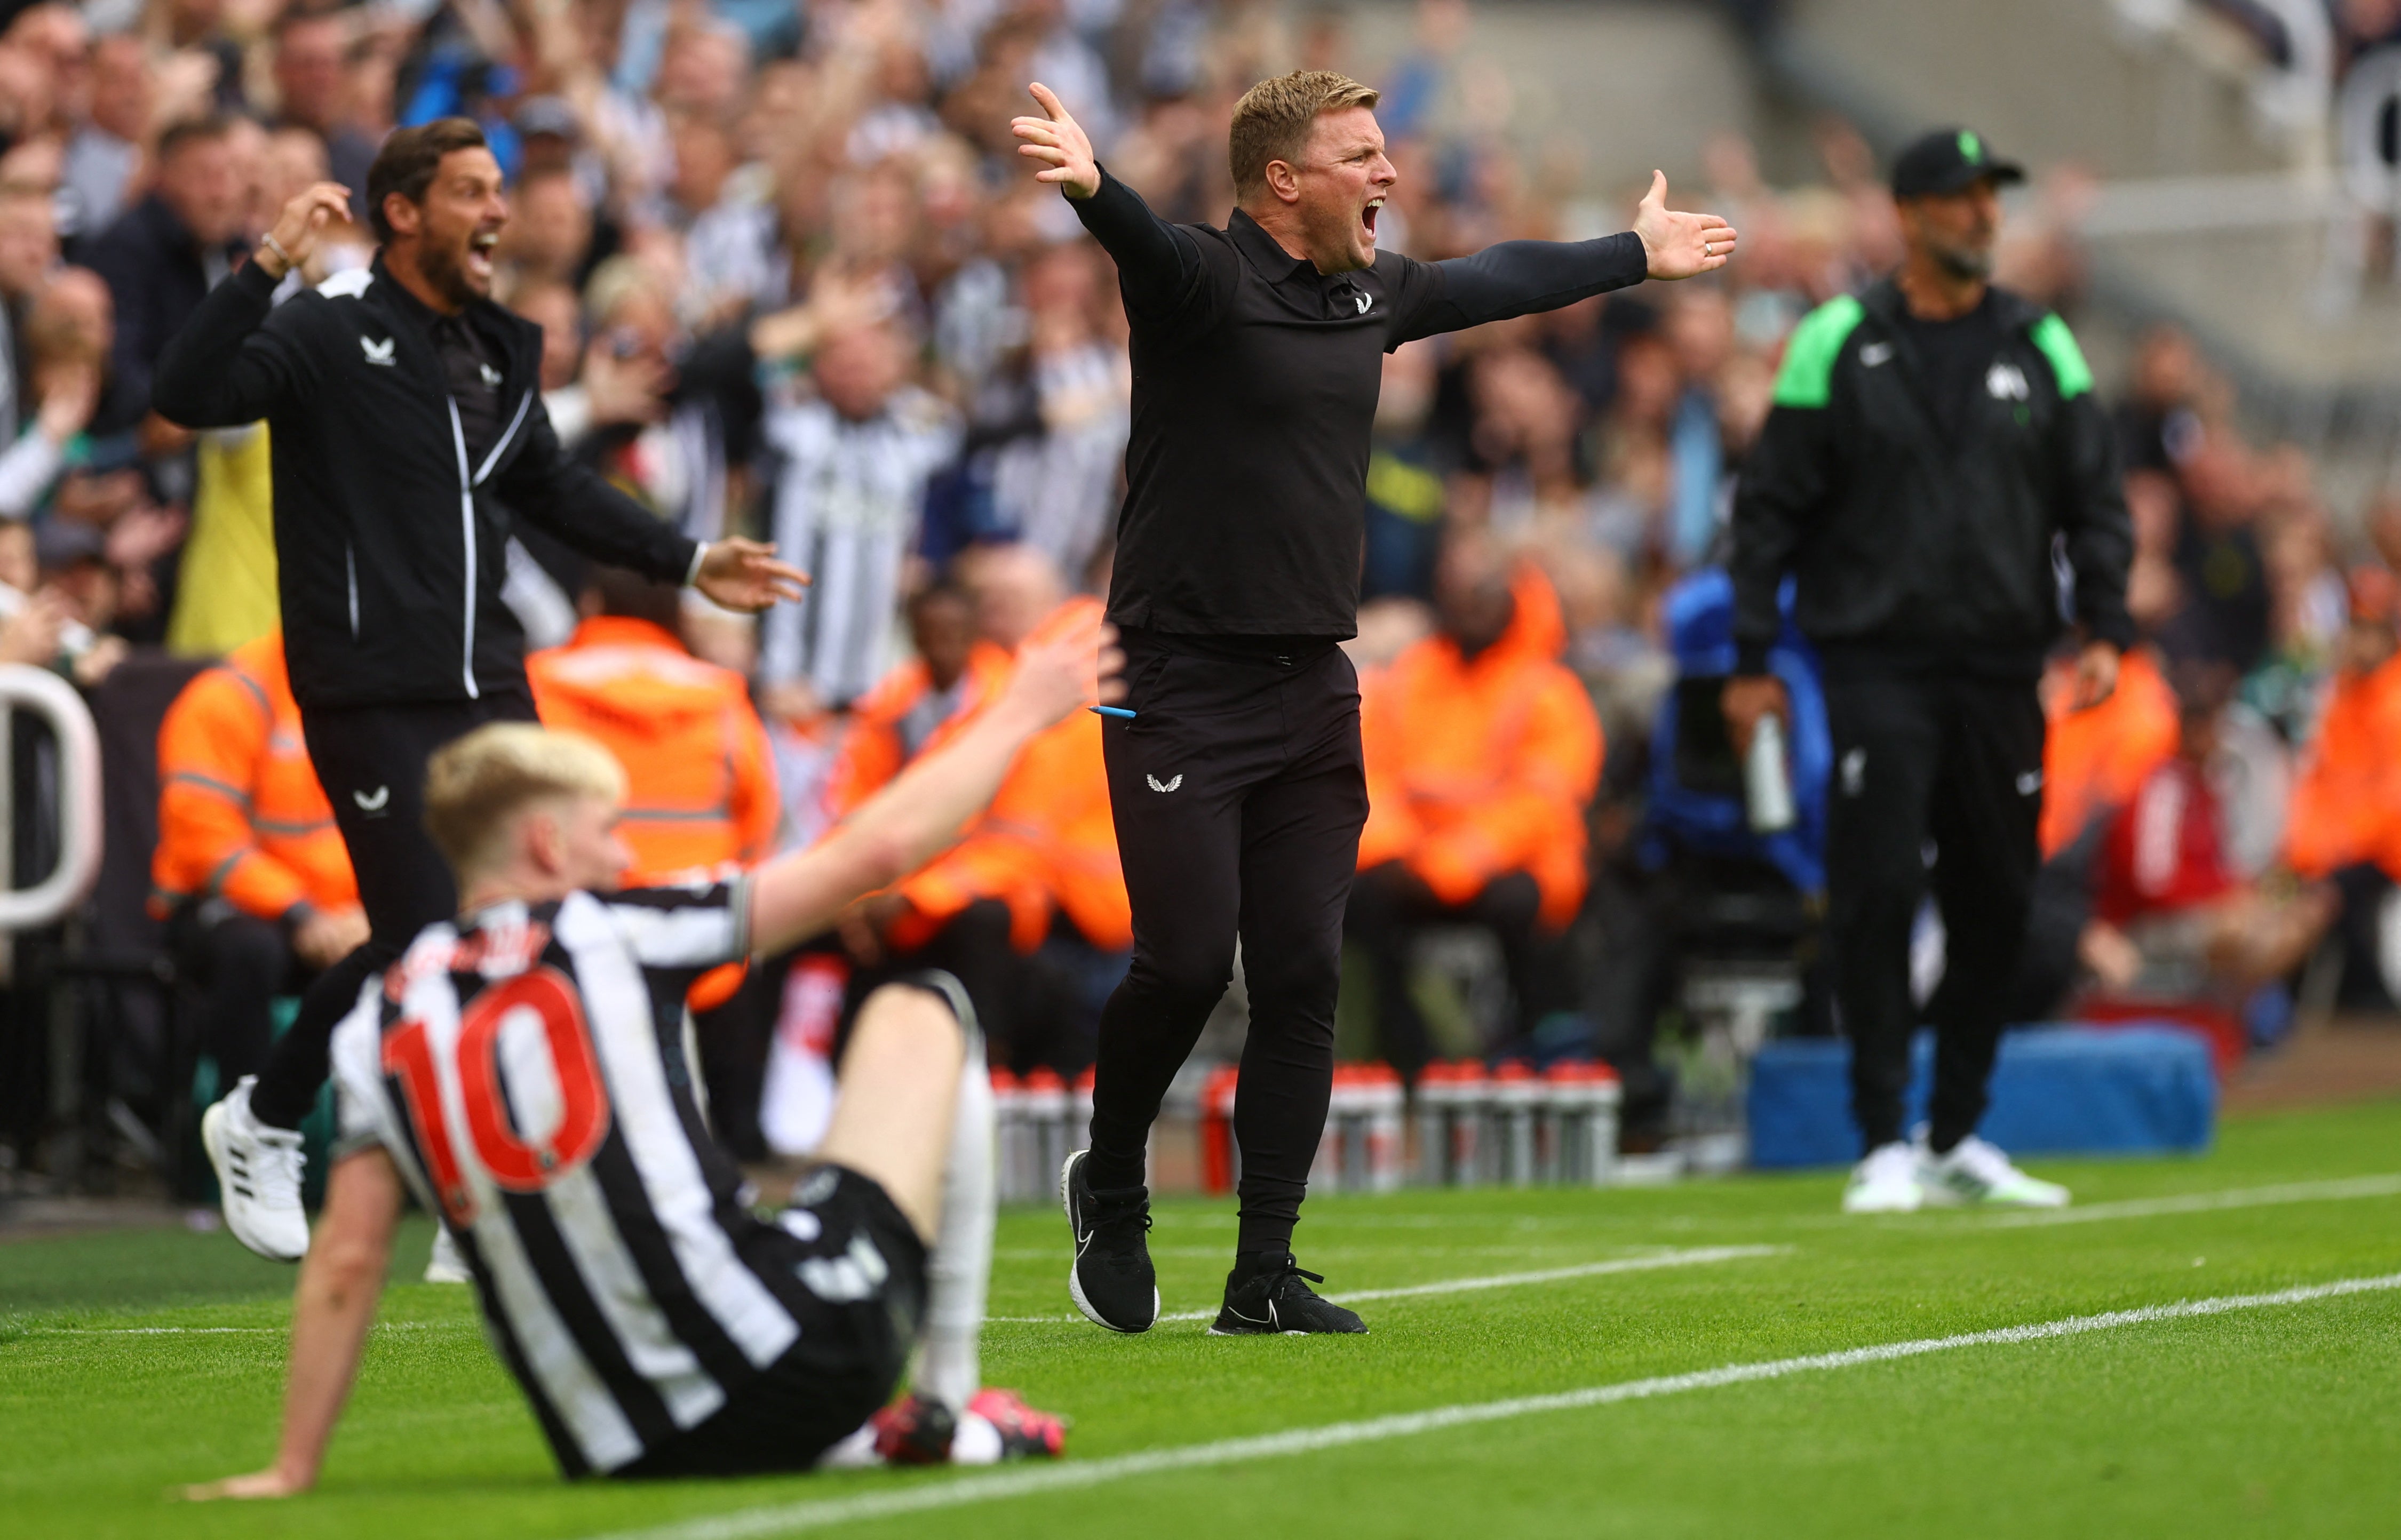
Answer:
(1238, 794)
(241, 963)
(1389, 906)
(371, 761)
(1957, 762)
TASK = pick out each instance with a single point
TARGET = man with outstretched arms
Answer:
(406, 425)
(520, 1071)
(1934, 461)
(1236, 782)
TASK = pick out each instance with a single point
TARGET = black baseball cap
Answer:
(1946, 161)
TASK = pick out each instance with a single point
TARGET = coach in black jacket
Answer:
(1933, 457)
(406, 419)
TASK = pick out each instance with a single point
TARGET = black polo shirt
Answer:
(1255, 385)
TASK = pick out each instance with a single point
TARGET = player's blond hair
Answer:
(476, 785)
(1273, 120)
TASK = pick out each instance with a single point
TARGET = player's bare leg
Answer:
(898, 1099)
(914, 1112)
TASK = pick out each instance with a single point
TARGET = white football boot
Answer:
(1885, 1182)
(1975, 1172)
(446, 1266)
(258, 1175)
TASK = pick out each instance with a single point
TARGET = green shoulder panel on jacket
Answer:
(2058, 345)
(1808, 378)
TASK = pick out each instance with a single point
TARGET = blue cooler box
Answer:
(2056, 1091)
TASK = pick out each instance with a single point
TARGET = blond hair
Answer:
(476, 785)
(1273, 120)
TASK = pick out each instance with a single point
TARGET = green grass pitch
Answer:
(2276, 1420)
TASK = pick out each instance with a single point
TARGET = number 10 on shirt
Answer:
(514, 1163)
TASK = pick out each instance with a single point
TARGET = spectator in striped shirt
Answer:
(849, 493)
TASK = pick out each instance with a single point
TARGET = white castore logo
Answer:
(1876, 353)
(2007, 382)
(374, 803)
(1171, 783)
(376, 352)
(1364, 303)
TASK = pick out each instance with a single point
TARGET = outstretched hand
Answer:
(1679, 245)
(744, 574)
(1059, 143)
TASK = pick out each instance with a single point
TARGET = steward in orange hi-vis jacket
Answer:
(250, 872)
(1045, 848)
(2095, 760)
(700, 780)
(1047, 839)
(920, 703)
(2346, 804)
(241, 815)
(1483, 750)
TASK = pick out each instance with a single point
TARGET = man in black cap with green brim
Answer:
(1939, 481)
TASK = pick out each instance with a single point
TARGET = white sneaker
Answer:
(1885, 1182)
(258, 1174)
(446, 1266)
(1975, 1172)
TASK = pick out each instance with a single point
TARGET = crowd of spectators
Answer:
(794, 283)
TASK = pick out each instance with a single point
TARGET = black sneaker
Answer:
(1276, 1300)
(1112, 1282)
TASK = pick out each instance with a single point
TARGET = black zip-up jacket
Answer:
(391, 547)
(1913, 549)
(1255, 384)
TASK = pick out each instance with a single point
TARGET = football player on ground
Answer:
(520, 1071)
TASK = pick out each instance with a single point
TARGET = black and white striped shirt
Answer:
(849, 497)
(524, 1070)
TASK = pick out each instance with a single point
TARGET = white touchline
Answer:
(2385, 1186)
(216, 1331)
(1692, 1257)
(783, 1519)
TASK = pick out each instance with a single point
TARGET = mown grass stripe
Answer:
(2385, 1186)
(1692, 1256)
(1025, 1481)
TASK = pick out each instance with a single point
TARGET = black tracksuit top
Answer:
(1915, 549)
(391, 548)
(1255, 385)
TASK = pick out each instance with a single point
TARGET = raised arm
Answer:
(225, 368)
(340, 1281)
(1517, 278)
(921, 813)
(1159, 266)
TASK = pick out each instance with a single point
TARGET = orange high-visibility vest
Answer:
(2095, 760)
(240, 814)
(700, 779)
(1046, 843)
(1480, 768)
(872, 751)
(2347, 796)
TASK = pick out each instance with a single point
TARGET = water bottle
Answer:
(1767, 788)
(1385, 1104)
